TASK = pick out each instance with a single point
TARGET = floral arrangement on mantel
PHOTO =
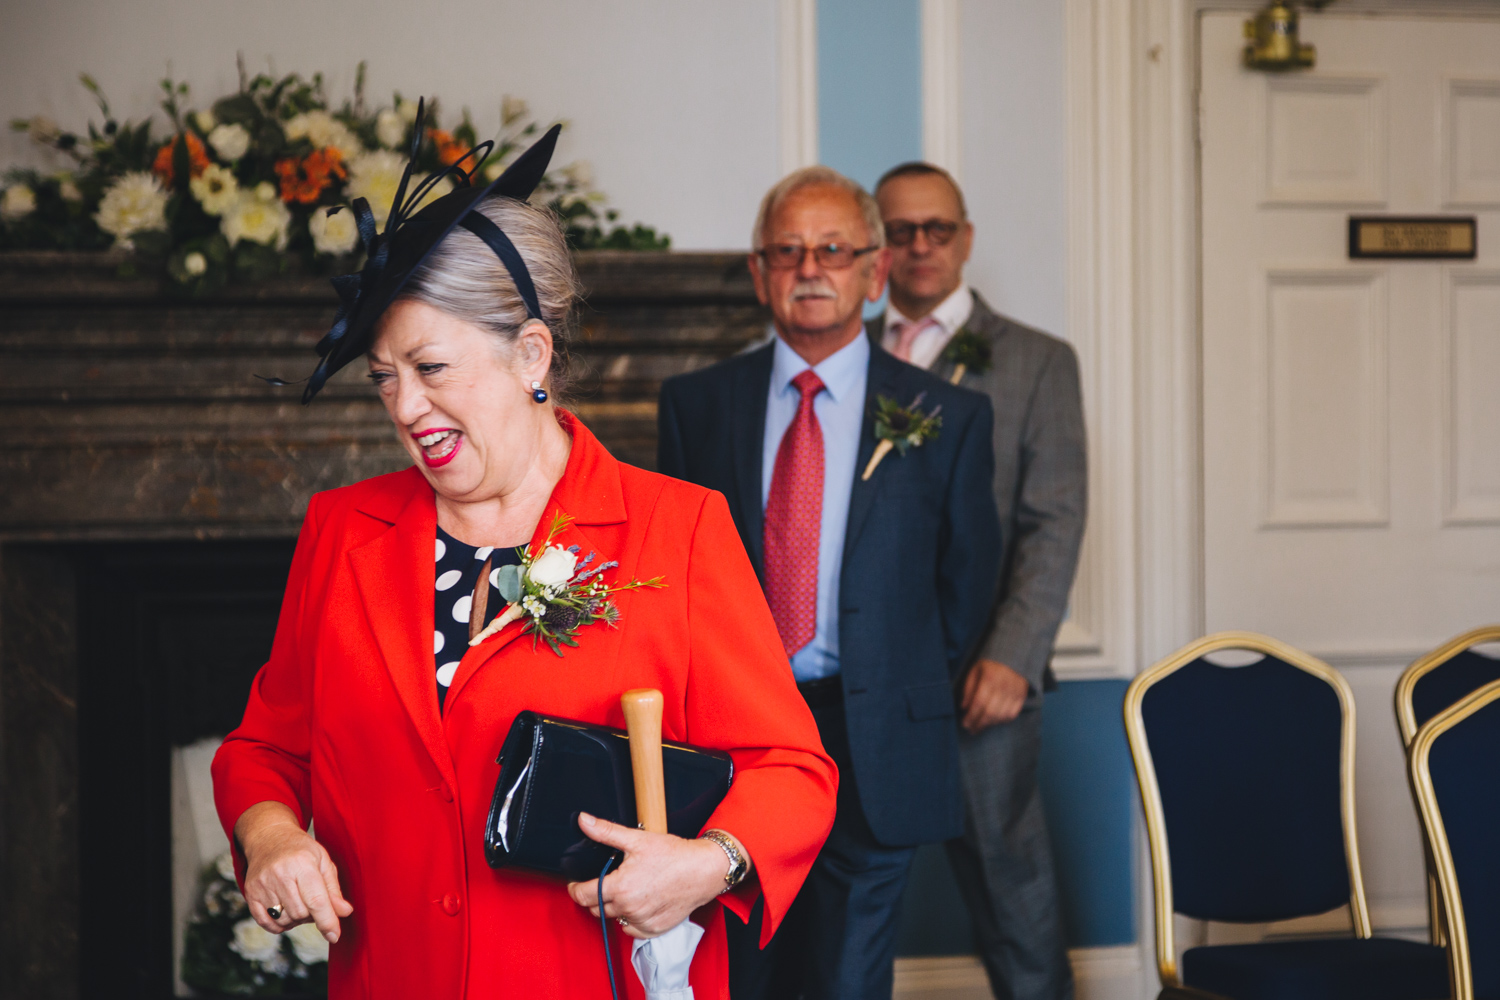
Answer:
(226, 953)
(241, 189)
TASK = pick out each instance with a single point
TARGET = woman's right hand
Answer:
(286, 867)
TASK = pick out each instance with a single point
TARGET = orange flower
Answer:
(449, 149)
(305, 180)
(197, 157)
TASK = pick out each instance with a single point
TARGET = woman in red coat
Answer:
(387, 750)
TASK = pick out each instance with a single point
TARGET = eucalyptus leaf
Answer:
(509, 583)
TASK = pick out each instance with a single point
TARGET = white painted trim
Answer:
(940, 84)
(1098, 974)
(1099, 638)
(797, 82)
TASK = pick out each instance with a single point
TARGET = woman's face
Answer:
(460, 399)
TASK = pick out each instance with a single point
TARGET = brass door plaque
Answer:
(1413, 238)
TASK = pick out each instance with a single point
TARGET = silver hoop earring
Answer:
(538, 393)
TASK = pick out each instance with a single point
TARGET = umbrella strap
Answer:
(604, 929)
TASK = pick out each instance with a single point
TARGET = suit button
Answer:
(451, 904)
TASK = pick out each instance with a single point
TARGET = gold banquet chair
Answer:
(1429, 685)
(1454, 766)
(1247, 780)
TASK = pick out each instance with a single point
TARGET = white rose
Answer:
(256, 219)
(224, 865)
(19, 201)
(407, 110)
(554, 567)
(308, 943)
(322, 129)
(333, 234)
(253, 942)
(133, 204)
(205, 121)
(390, 128)
(230, 141)
(215, 188)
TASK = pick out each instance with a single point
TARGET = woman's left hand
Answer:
(662, 879)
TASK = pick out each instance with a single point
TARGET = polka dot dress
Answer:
(458, 567)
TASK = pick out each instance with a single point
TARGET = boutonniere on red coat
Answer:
(558, 592)
(901, 427)
(967, 352)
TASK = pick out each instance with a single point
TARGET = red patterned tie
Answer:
(794, 515)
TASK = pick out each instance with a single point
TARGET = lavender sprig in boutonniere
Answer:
(967, 352)
(901, 427)
(559, 592)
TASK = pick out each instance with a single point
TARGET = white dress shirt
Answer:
(951, 314)
(840, 409)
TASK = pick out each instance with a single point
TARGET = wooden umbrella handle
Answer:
(643, 707)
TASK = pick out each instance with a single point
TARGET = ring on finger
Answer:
(622, 921)
(274, 912)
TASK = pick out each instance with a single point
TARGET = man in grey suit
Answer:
(1003, 860)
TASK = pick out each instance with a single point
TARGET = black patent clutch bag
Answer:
(553, 769)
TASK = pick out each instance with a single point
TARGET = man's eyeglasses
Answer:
(940, 232)
(833, 256)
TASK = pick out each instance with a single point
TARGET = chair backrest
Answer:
(1442, 677)
(1247, 781)
(1455, 772)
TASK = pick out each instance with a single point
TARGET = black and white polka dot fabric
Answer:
(458, 567)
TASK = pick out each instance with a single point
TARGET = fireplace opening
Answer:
(170, 636)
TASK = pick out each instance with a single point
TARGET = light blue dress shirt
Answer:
(840, 412)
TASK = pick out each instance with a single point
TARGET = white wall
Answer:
(674, 102)
(1014, 146)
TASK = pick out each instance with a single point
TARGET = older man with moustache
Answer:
(881, 575)
(1003, 861)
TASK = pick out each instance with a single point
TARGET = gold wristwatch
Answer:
(739, 865)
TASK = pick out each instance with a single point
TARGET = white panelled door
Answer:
(1351, 408)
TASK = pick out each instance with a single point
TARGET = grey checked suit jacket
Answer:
(1041, 484)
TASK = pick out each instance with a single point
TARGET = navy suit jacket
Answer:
(919, 577)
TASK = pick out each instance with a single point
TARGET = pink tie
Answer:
(906, 335)
(794, 518)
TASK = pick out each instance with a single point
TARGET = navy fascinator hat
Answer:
(393, 255)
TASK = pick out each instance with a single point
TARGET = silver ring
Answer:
(622, 921)
(274, 912)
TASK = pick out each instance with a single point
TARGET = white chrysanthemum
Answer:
(253, 942)
(375, 176)
(308, 943)
(333, 234)
(224, 865)
(18, 202)
(390, 128)
(215, 188)
(205, 121)
(230, 141)
(256, 219)
(322, 129)
(133, 204)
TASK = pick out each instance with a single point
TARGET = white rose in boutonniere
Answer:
(558, 592)
(553, 568)
(230, 141)
(253, 942)
(901, 427)
(308, 943)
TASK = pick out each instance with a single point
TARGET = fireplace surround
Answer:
(150, 490)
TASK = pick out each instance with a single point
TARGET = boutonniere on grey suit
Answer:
(967, 352)
(901, 427)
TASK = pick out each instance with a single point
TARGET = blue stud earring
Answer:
(538, 393)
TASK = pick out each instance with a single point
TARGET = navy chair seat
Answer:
(1321, 969)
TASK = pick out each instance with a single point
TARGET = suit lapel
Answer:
(394, 575)
(883, 379)
(752, 383)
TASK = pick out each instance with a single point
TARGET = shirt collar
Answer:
(951, 313)
(840, 371)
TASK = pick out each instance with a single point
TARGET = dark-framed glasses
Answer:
(940, 232)
(833, 256)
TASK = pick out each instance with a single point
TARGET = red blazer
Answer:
(343, 726)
